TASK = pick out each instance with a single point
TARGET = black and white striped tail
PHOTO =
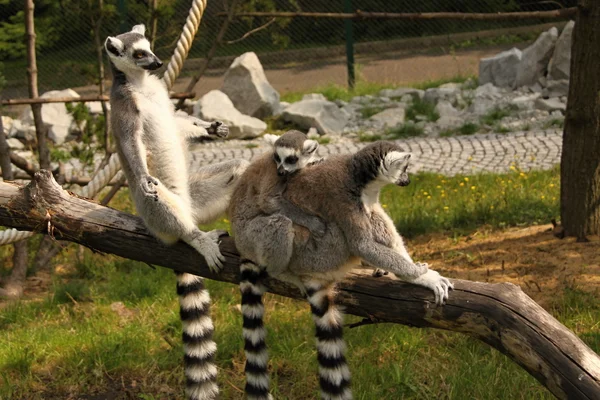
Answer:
(199, 348)
(255, 347)
(334, 374)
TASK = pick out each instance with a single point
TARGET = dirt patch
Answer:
(542, 265)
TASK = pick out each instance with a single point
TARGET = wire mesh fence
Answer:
(69, 33)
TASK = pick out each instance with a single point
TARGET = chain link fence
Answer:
(70, 31)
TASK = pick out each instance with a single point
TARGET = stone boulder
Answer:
(560, 63)
(22, 131)
(7, 123)
(556, 88)
(445, 109)
(550, 105)
(535, 58)
(501, 69)
(434, 95)
(55, 116)
(95, 107)
(399, 93)
(391, 117)
(248, 88)
(323, 115)
(216, 106)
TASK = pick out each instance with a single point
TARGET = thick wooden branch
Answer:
(563, 13)
(500, 315)
(82, 99)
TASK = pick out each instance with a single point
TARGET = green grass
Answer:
(495, 115)
(76, 340)
(424, 108)
(433, 83)
(468, 128)
(368, 111)
(404, 131)
(369, 138)
(555, 123)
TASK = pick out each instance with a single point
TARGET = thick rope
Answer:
(106, 174)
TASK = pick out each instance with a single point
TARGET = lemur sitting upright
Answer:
(151, 141)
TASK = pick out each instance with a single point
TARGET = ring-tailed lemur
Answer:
(344, 192)
(151, 141)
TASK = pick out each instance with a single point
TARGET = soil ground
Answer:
(401, 68)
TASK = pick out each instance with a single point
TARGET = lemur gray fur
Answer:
(344, 192)
(151, 141)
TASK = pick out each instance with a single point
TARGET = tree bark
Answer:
(500, 315)
(580, 160)
(13, 286)
(40, 128)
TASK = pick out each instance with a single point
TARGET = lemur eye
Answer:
(276, 157)
(291, 160)
(138, 54)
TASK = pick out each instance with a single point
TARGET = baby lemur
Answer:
(343, 191)
(151, 141)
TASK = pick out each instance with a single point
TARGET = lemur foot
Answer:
(207, 244)
(149, 184)
(378, 273)
(437, 283)
(218, 129)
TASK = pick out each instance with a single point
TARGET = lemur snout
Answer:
(155, 64)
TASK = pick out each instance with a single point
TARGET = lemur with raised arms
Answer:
(151, 141)
(343, 191)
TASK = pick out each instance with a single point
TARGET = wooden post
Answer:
(40, 128)
(349, 33)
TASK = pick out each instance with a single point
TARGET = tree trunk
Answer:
(97, 25)
(580, 162)
(40, 128)
(500, 315)
(13, 286)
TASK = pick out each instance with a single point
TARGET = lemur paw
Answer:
(218, 129)
(149, 184)
(422, 265)
(437, 283)
(209, 248)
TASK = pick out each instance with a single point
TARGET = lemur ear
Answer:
(113, 45)
(141, 29)
(310, 146)
(271, 139)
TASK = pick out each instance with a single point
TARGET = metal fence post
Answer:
(349, 32)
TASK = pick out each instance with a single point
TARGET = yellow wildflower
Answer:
(473, 187)
(466, 179)
(461, 184)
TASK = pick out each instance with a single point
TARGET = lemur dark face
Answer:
(292, 151)
(130, 51)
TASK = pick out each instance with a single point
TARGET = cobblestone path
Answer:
(447, 156)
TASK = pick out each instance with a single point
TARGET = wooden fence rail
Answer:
(500, 315)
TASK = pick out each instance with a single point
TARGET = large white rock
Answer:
(534, 59)
(323, 115)
(434, 95)
(556, 88)
(7, 123)
(398, 93)
(501, 69)
(248, 88)
(390, 117)
(445, 109)
(23, 131)
(560, 63)
(95, 107)
(550, 105)
(216, 106)
(60, 123)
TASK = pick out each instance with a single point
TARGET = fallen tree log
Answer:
(500, 315)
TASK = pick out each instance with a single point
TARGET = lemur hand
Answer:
(434, 281)
(209, 248)
(218, 129)
(148, 185)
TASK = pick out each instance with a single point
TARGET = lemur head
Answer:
(292, 151)
(131, 51)
(381, 161)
